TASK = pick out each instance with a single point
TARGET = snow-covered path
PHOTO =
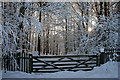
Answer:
(108, 70)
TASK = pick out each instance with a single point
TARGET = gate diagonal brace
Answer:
(50, 64)
(77, 61)
(80, 63)
(73, 59)
(57, 60)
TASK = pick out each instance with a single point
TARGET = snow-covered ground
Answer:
(0, 73)
(107, 70)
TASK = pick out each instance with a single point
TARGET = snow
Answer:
(35, 53)
(107, 70)
(102, 50)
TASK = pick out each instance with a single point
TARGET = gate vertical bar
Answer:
(30, 63)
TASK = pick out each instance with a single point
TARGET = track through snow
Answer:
(107, 70)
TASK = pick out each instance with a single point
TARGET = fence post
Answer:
(18, 60)
(1, 58)
(30, 63)
(102, 58)
(118, 53)
(98, 60)
(26, 62)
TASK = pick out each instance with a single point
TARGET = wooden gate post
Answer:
(102, 57)
(30, 63)
(98, 60)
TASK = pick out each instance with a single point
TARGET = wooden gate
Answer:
(46, 64)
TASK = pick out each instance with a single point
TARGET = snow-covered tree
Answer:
(17, 23)
(100, 29)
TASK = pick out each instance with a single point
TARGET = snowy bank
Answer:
(107, 70)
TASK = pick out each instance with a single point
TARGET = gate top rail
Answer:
(59, 56)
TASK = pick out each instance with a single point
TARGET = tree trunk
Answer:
(39, 40)
(21, 14)
(66, 43)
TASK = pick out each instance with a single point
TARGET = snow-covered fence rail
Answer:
(46, 64)
(109, 54)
